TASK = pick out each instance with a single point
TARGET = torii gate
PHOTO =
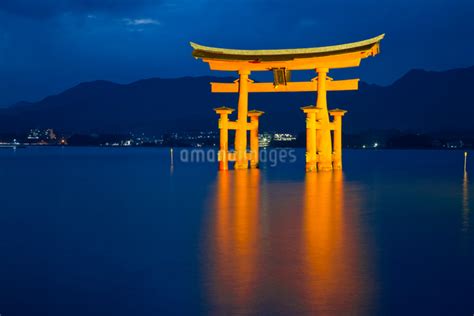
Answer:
(321, 153)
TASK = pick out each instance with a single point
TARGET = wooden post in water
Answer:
(465, 162)
(171, 156)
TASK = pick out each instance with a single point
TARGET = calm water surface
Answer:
(101, 231)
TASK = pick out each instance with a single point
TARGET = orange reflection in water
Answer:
(234, 247)
(286, 247)
(337, 275)
(465, 203)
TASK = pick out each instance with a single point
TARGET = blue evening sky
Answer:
(50, 45)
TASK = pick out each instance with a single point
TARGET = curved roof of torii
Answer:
(284, 54)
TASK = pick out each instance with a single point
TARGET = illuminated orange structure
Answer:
(322, 153)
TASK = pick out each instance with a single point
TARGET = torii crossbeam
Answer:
(323, 153)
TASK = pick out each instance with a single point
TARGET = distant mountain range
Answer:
(424, 101)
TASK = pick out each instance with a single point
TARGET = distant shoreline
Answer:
(24, 146)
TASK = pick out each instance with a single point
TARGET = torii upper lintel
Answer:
(336, 56)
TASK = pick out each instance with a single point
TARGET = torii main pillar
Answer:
(242, 112)
(323, 135)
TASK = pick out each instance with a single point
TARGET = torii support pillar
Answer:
(323, 134)
(223, 154)
(337, 115)
(254, 151)
(311, 147)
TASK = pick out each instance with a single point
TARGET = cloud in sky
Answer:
(50, 8)
(142, 21)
